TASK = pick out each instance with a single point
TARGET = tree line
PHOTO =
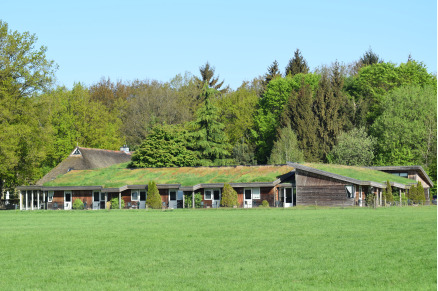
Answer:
(369, 112)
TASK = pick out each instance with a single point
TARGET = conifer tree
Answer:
(273, 71)
(298, 113)
(207, 76)
(297, 65)
(153, 198)
(412, 195)
(208, 136)
(229, 196)
(387, 193)
(420, 197)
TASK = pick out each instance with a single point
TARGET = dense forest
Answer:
(369, 112)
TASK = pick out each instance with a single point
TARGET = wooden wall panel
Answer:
(314, 189)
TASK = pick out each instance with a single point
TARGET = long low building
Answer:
(280, 185)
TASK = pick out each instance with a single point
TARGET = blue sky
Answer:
(128, 40)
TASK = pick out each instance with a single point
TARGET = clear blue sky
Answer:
(128, 40)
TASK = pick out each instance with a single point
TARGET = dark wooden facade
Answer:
(313, 189)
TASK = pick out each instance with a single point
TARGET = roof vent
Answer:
(124, 149)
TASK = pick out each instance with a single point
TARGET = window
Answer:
(134, 195)
(67, 196)
(172, 194)
(252, 193)
(102, 196)
(350, 191)
(404, 175)
(207, 194)
(50, 196)
(96, 196)
(212, 194)
(255, 193)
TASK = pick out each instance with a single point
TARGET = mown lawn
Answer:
(231, 249)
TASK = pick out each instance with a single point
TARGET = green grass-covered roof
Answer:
(118, 175)
(360, 173)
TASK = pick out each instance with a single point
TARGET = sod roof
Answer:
(360, 173)
(119, 175)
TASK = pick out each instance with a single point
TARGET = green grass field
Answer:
(233, 249)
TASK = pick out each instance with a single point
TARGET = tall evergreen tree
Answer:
(370, 58)
(208, 136)
(298, 113)
(207, 76)
(273, 71)
(326, 111)
(297, 65)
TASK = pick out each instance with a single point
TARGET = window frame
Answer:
(253, 195)
(50, 195)
(353, 191)
(212, 190)
(138, 194)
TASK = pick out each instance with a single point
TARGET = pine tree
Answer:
(153, 198)
(207, 76)
(297, 65)
(387, 193)
(298, 113)
(412, 195)
(370, 58)
(273, 71)
(208, 136)
(229, 196)
(421, 198)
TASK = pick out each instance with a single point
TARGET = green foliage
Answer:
(243, 154)
(273, 72)
(286, 148)
(207, 77)
(420, 197)
(373, 82)
(188, 200)
(78, 204)
(229, 196)
(207, 135)
(165, 146)
(297, 65)
(115, 203)
(236, 112)
(353, 148)
(270, 109)
(24, 72)
(265, 203)
(300, 116)
(369, 199)
(370, 58)
(387, 192)
(153, 199)
(407, 128)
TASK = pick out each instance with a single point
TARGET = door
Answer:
(96, 200)
(216, 198)
(247, 203)
(288, 197)
(142, 200)
(67, 200)
(102, 201)
(173, 202)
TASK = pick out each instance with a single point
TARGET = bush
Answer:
(198, 200)
(370, 199)
(265, 203)
(115, 203)
(153, 199)
(78, 204)
(229, 196)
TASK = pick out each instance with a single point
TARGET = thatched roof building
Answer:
(86, 159)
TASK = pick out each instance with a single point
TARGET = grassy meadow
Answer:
(233, 249)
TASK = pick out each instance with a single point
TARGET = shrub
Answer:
(78, 204)
(115, 203)
(198, 200)
(421, 198)
(229, 196)
(370, 199)
(153, 199)
(265, 203)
